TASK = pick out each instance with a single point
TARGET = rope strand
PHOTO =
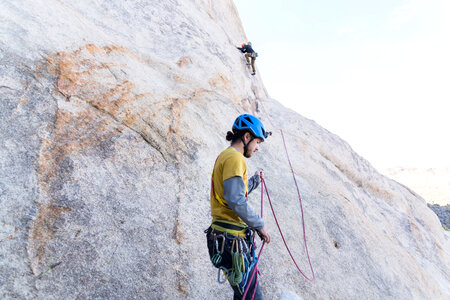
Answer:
(301, 205)
(285, 244)
(263, 186)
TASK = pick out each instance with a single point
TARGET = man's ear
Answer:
(247, 137)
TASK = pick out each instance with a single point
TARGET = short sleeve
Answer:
(234, 166)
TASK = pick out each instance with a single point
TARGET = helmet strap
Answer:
(246, 145)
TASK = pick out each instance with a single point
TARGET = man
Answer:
(229, 238)
(249, 53)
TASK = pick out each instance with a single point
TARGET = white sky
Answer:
(376, 73)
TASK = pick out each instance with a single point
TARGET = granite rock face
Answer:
(112, 114)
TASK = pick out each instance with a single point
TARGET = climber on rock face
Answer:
(249, 53)
(229, 238)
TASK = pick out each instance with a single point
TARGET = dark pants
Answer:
(226, 262)
(249, 55)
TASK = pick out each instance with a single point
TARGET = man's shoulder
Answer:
(231, 154)
(232, 163)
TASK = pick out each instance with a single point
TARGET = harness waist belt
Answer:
(233, 228)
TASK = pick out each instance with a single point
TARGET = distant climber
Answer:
(249, 53)
(234, 222)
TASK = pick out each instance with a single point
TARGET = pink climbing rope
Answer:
(255, 269)
(253, 274)
(301, 208)
(264, 186)
(282, 236)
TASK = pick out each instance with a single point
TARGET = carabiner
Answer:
(225, 271)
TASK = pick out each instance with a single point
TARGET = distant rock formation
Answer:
(443, 213)
(112, 114)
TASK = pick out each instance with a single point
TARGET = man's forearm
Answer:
(253, 183)
(234, 193)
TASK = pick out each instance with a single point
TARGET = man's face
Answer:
(253, 146)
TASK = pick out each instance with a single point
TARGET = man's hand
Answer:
(260, 172)
(264, 235)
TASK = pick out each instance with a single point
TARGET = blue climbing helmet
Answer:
(247, 122)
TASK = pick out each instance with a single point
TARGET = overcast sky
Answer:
(376, 73)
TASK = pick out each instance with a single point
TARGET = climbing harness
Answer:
(229, 227)
(241, 248)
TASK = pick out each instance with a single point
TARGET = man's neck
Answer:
(239, 147)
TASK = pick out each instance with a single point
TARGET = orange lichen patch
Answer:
(184, 61)
(93, 75)
(123, 50)
(199, 92)
(165, 100)
(93, 48)
(23, 100)
(178, 105)
(183, 287)
(176, 108)
(221, 82)
(179, 79)
(99, 77)
(43, 228)
(178, 233)
(112, 48)
(182, 280)
(114, 98)
(73, 133)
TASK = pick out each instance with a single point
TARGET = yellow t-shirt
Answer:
(230, 163)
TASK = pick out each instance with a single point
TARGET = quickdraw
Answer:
(217, 258)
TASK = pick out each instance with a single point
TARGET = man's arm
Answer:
(234, 193)
(253, 183)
